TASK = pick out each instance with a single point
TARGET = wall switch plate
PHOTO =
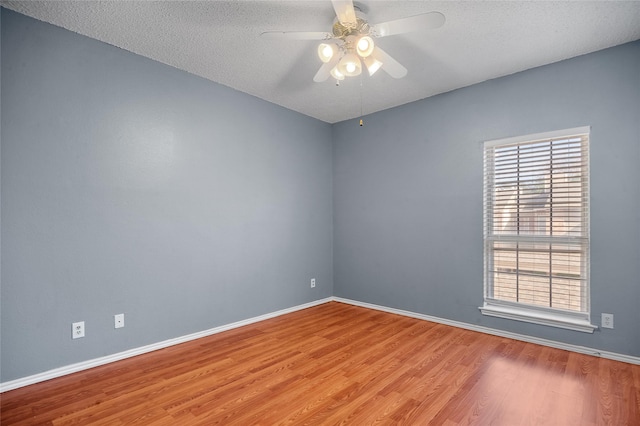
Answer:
(119, 320)
(313, 282)
(607, 321)
(77, 330)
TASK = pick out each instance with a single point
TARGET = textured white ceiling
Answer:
(220, 41)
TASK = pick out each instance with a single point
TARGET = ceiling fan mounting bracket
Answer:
(361, 28)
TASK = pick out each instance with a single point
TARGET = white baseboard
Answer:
(85, 365)
(522, 337)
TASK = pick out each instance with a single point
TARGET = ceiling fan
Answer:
(350, 43)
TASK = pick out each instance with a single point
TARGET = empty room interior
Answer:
(320, 212)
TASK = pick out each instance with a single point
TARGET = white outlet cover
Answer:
(77, 330)
(607, 320)
(118, 320)
(313, 282)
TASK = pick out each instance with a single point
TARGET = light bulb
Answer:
(351, 67)
(365, 46)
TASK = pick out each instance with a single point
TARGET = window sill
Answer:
(535, 316)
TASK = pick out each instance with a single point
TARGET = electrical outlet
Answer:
(313, 282)
(607, 321)
(77, 330)
(119, 320)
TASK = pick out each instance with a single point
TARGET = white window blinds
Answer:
(536, 221)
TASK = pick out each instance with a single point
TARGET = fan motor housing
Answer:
(361, 28)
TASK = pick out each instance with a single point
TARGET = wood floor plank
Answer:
(339, 364)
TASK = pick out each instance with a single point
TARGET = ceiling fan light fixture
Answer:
(350, 65)
(365, 46)
(372, 64)
(350, 43)
(326, 51)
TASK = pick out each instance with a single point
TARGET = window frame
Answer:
(537, 314)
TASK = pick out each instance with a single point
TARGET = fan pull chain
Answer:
(361, 121)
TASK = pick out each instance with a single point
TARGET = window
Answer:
(536, 229)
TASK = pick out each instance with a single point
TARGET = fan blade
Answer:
(325, 70)
(389, 65)
(345, 12)
(430, 21)
(297, 35)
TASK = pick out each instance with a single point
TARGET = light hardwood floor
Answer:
(340, 364)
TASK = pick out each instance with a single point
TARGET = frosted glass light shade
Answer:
(350, 65)
(372, 64)
(337, 74)
(365, 46)
(326, 51)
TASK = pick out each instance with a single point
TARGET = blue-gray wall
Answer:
(129, 186)
(132, 187)
(408, 193)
